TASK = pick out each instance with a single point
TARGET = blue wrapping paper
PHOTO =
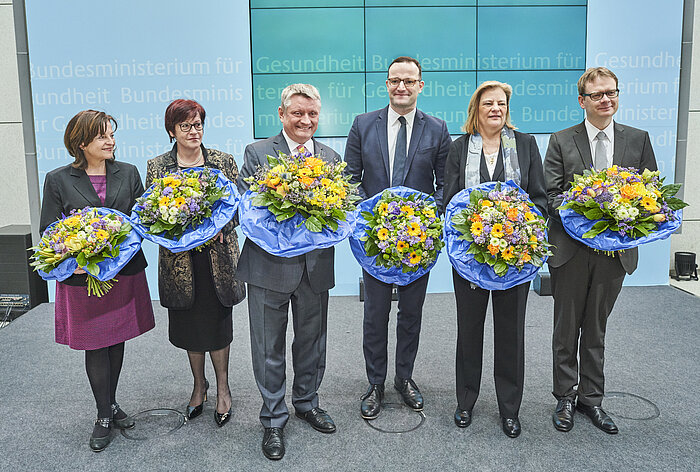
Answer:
(222, 212)
(466, 266)
(287, 238)
(109, 268)
(577, 225)
(393, 275)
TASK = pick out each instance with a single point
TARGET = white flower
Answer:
(173, 211)
(172, 219)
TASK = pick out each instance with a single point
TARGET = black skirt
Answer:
(207, 325)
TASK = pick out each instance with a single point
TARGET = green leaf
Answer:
(81, 259)
(93, 269)
(313, 224)
(670, 190)
(479, 257)
(675, 203)
(597, 228)
(593, 213)
(500, 268)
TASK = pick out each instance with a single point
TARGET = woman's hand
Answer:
(78, 271)
(219, 237)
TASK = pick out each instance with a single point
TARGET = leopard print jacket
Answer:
(175, 282)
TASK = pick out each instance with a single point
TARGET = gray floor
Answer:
(46, 411)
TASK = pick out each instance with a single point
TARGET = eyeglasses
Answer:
(185, 127)
(597, 96)
(408, 83)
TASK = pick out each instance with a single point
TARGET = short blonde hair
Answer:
(471, 126)
(306, 90)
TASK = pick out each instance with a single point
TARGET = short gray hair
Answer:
(307, 90)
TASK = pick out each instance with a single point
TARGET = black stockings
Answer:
(103, 367)
(219, 359)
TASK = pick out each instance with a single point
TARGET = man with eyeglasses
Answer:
(585, 282)
(396, 145)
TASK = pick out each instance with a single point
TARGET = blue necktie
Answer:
(399, 155)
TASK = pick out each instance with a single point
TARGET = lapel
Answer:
(620, 145)
(382, 137)
(584, 148)
(170, 164)
(82, 184)
(483, 169)
(114, 183)
(499, 172)
(279, 144)
(416, 133)
(320, 151)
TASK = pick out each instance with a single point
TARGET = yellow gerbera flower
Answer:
(477, 228)
(497, 230)
(382, 234)
(413, 229)
(414, 257)
(401, 246)
(163, 200)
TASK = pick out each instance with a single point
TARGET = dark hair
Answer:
(81, 130)
(406, 59)
(180, 110)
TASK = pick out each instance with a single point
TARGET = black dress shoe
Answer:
(372, 401)
(101, 434)
(511, 426)
(318, 419)
(599, 417)
(222, 418)
(195, 411)
(463, 418)
(273, 444)
(120, 419)
(410, 393)
(563, 416)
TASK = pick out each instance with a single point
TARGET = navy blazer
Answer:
(367, 154)
(68, 188)
(531, 173)
(282, 274)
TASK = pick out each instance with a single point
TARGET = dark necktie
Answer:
(399, 155)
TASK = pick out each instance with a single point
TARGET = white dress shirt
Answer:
(392, 127)
(309, 145)
(609, 143)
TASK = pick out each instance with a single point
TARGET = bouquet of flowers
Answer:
(398, 235)
(92, 239)
(618, 208)
(185, 209)
(305, 185)
(496, 238)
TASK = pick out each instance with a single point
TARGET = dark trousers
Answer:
(508, 339)
(585, 289)
(375, 331)
(268, 314)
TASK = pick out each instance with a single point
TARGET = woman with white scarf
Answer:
(491, 150)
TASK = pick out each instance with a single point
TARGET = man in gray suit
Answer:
(585, 282)
(274, 282)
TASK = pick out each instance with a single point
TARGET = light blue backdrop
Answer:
(132, 58)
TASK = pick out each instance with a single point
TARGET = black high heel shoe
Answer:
(195, 411)
(222, 418)
(98, 441)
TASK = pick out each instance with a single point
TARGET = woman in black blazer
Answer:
(99, 326)
(486, 154)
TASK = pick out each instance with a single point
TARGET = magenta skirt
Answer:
(89, 323)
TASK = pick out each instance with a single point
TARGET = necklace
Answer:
(491, 158)
(198, 162)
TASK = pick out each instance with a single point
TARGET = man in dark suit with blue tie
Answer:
(274, 282)
(586, 282)
(397, 145)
